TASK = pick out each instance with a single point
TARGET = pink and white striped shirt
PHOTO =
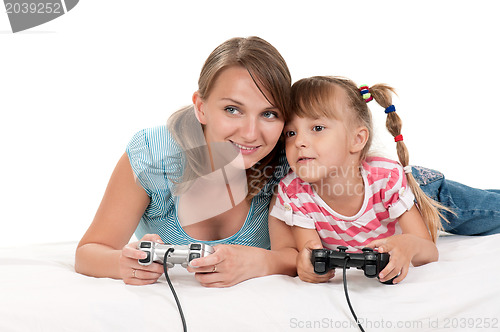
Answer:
(386, 197)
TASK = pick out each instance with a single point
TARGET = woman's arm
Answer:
(414, 245)
(102, 252)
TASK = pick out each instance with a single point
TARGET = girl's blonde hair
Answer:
(270, 73)
(315, 96)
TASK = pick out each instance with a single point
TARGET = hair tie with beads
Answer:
(398, 138)
(365, 93)
(390, 109)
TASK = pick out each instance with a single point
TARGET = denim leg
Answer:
(477, 211)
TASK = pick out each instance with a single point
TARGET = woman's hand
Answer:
(131, 271)
(229, 265)
(305, 268)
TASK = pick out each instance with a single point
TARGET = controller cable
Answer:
(346, 259)
(172, 288)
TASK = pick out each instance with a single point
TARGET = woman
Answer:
(244, 89)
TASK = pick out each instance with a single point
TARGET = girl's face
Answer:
(237, 112)
(317, 148)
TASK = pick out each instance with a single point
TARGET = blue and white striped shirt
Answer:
(154, 154)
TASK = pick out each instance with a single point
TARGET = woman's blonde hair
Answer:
(314, 97)
(270, 73)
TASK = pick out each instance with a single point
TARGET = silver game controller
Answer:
(177, 254)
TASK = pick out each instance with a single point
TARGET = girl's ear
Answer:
(359, 139)
(199, 108)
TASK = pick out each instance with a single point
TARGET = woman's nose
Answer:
(250, 130)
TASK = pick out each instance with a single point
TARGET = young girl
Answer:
(337, 194)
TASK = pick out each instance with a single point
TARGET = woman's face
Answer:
(237, 112)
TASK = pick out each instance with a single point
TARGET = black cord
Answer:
(347, 296)
(172, 288)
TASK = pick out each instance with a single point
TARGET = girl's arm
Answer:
(414, 245)
(103, 250)
(236, 263)
(307, 240)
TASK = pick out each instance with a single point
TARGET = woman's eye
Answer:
(231, 110)
(289, 133)
(270, 115)
(318, 128)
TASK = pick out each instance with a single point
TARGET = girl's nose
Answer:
(301, 140)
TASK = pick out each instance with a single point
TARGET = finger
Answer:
(385, 247)
(152, 237)
(133, 264)
(153, 267)
(317, 278)
(402, 274)
(378, 244)
(374, 244)
(394, 273)
(323, 278)
(139, 282)
(219, 284)
(313, 244)
(133, 276)
(395, 270)
(207, 279)
(130, 251)
(208, 261)
(203, 269)
(146, 274)
(386, 271)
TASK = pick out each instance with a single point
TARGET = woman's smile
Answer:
(245, 149)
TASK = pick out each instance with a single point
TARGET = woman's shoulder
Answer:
(155, 143)
(151, 137)
(154, 151)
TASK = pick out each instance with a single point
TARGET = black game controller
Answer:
(177, 254)
(370, 261)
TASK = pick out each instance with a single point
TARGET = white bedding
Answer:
(40, 291)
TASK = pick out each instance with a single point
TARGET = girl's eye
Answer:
(318, 128)
(289, 133)
(231, 110)
(270, 115)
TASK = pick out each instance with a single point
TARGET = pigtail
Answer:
(429, 208)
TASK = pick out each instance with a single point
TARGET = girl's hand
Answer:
(402, 248)
(131, 271)
(228, 265)
(305, 268)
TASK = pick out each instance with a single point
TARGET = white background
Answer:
(73, 91)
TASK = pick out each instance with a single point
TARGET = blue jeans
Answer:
(477, 211)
